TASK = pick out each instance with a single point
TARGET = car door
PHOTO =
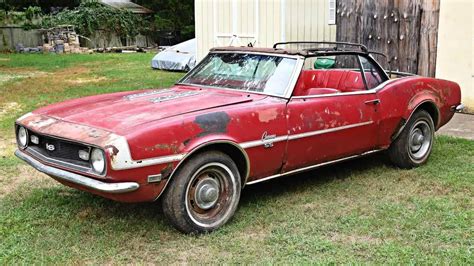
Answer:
(332, 115)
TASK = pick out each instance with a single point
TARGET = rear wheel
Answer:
(413, 147)
(204, 193)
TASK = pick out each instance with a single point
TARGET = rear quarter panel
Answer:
(401, 97)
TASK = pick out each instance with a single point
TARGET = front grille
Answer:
(62, 149)
(60, 152)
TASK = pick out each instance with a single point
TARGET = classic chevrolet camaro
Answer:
(242, 116)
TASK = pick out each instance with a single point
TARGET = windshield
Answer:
(249, 72)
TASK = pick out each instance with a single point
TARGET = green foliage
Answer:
(32, 16)
(92, 16)
(172, 15)
(32, 12)
(28, 18)
(162, 23)
(89, 16)
(45, 4)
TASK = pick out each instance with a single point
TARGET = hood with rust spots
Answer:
(121, 112)
(55, 127)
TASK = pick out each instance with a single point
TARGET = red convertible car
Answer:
(242, 116)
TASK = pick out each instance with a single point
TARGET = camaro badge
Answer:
(50, 147)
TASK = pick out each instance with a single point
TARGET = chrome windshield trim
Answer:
(285, 95)
(294, 77)
(295, 56)
(77, 179)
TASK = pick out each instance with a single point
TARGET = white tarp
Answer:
(181, 57)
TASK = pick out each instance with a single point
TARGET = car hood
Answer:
(120, 112)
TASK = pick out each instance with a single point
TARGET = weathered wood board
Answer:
(405, 30)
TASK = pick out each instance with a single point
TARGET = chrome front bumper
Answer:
(81, 180)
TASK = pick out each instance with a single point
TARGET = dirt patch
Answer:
(86, 80)
(45, 83)
(254, 234)
(85, 213)
(352, 239)
(196, 253)
(7, 108)
(12, 177)
(5, 77)
(18, 73)
(7, 148)
(24, 174)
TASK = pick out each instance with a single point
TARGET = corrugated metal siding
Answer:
(260, 21)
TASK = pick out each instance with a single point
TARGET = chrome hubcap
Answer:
(420, 140)
(212, 195)
(416, 140)
(207, 193)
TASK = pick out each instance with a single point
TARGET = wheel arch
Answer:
(431, 108)
(232, 149)
(426, 105)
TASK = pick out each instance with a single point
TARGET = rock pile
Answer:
(61, 39)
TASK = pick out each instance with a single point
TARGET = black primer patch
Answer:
(212, 123)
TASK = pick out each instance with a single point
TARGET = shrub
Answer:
(92, 16)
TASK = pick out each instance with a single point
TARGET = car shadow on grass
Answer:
(314, 178)
(71, 209)
(86, 206)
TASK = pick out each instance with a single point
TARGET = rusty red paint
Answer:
(169, 127)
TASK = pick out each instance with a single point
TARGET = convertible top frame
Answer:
(360, 47)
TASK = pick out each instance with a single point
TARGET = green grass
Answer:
(39, 80)
(362, 211)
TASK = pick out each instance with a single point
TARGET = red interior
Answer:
(313, 82)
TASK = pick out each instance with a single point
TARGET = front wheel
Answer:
(204, 193)
(413, 147)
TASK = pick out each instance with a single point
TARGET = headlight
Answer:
(98, 160)
(22, 137)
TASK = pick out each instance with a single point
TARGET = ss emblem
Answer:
(50, 147)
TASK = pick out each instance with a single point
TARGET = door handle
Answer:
(374, 102)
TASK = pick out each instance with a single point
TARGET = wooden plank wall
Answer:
(405, 30)
(13, 35)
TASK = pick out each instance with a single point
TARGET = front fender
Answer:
(198, 145)
(199, 142)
